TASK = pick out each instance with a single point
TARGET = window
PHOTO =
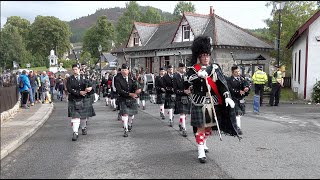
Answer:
(186, 32)
(166, 61)
(299, 66)
(136, 39)
(295, 66)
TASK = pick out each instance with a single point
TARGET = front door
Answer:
(149, 61)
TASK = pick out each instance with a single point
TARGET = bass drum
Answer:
(149, 83)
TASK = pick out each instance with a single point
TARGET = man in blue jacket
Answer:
(24, 88)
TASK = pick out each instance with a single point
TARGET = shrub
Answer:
(316, 93)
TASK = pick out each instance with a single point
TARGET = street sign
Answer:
(28, 65)
(256, 103)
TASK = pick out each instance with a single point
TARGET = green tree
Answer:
(22, 24)
(152, 16)
(47, 33)
(124, 24)
(294, 14)
(102, 33)
(12, 47)
(182, 7)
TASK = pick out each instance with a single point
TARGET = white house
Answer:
(305, 45)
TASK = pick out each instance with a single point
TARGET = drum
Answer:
(149, 82)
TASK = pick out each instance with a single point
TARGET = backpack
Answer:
(21, 84)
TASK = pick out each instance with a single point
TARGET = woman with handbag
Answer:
(79, 101)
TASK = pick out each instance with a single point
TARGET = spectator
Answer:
(24, 89)
(52, 84)
(32, 91)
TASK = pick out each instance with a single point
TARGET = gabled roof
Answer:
(109, 57)
(222, 32)
(145, 31)
(302, 28)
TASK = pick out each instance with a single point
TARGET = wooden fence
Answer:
(9, 96)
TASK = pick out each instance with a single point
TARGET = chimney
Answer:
(211, 10)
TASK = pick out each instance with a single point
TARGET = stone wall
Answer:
(6, 115)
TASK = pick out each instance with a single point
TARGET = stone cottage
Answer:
(151, 46)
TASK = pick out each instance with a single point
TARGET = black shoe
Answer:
(162, 116)
(84, 131)
(114, 109)
(239, 132)
(170, 123)
(143, 108)
(206, 150)
(129, 127)
(180, 127)
(203, 160)
(107, 104)
(75, 136)
(125, 133)
(276, 105)
(119, 117)
(184, 133)
(138, 106)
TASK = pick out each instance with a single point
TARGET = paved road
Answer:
(272, 147)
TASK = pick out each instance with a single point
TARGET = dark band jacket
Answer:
(200, 95)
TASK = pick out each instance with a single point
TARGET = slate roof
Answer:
(223, 32)
(109, 57)
(249, 57)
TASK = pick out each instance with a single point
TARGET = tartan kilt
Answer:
(225, 116)
(87, 110)
(144, 96)
(113, 95)
(168, 103)
(128, 108)
(160, 98)
(240, 108)
(181, 108)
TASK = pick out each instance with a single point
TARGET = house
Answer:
(151, 46)
(111, 62)
(305, 44)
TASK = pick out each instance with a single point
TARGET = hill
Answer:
(80, 25)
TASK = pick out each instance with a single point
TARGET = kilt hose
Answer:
(86, 111)
(160, 98)
(128, 106)
(144, 96)
(182, 108)
(168, 102)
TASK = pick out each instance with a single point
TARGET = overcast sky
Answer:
(246, 14)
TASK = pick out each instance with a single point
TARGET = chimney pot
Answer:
(211, 10)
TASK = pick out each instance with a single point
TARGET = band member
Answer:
(80, 101)
(160, 90)
(209, 96)
(113, 93)
(104, 84)
(144, 95)
(170, 95)
(128, 92)
(239, 88)
(182, 106)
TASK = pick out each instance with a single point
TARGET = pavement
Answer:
(15, 131)
(26, 122)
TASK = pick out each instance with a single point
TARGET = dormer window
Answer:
(136, 39)
(186, 33)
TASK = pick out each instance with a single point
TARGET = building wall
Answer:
(313, 57)
(300, 44)
(178, 37)
(130, 43)
(224, 59)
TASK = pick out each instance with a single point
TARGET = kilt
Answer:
(225, 116)
(160, 98)
(128, 106)
(240, 108)
(181, 108)
(144, 96)
(113, 95)
(168, 102)
(86, 111)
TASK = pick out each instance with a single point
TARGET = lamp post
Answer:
(281, 6)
